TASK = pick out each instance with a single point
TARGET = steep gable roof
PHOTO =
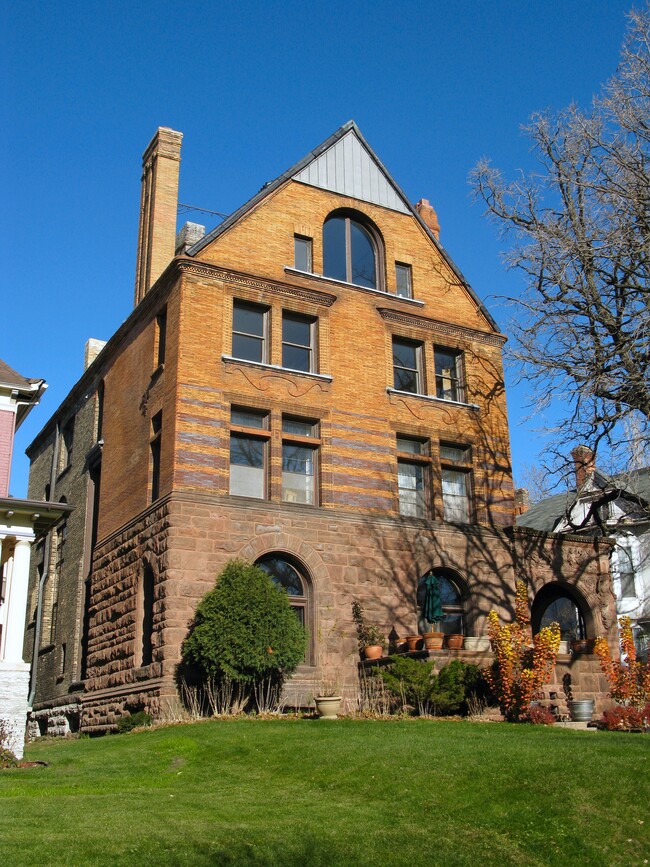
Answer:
(346, 164)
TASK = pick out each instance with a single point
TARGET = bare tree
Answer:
(579, 230)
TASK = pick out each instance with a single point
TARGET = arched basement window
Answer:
(349, 251)
(286, 574)
(451, 599)
(556, 604)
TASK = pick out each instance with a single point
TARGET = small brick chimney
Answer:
(158, 208)
(583, 459)
(429, 216)
(521, 501)
(91, 350)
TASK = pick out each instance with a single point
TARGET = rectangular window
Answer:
(407, 365)
(65, 445)
(404, 281)
(302, 248)
(249, 332)
(298, 339)
(449, 377)
(625, 564)
(412, 477)
(156, 435)
(248, 453)
(161, 336)
(456, 474)
(299, 461)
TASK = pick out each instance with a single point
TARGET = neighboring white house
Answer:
(615, 506)
(21, 523)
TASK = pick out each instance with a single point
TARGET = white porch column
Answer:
(13, 632)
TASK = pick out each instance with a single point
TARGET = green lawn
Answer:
(306, 792)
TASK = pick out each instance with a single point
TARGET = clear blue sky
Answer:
(254, 86)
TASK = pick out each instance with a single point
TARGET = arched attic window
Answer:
(352, 250)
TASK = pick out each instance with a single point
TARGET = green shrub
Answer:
(455, 683)
(414, 683)
(245, 634)
(7, 758)
(133, 720)
(410, 682)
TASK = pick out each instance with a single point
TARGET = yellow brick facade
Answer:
(352, 542)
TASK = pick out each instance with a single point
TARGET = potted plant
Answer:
(370, 638)
(328, 699)
(583, 645)
(432, 612)
(476, 643)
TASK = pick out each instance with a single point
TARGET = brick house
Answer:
(312, 386)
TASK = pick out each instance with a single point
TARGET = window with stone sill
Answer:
(403, 280)
(161, 337)
(302, 253)
(449, 374)
(456, 476)
(155, 450)
(407, 365)
(300, 445)
(413, 477)
(299, 342)
(250, 332)
(249, 444)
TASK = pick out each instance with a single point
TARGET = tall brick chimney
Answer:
(521, 501)
(428, 215)
(583, 459)
(158, 207)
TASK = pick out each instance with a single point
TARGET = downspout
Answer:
(43, 579)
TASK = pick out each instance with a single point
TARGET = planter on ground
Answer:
(454, 641)
(581, 711)
(414, 642)
(328, 706)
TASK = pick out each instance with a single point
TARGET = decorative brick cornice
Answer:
(204, 269)
(457, 331)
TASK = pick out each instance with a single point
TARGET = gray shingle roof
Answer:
(544, 515)
(8, 376)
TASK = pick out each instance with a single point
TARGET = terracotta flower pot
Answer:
(583, 645)
(373, 651)
(433, 640)
(454, 642)
(413, 641)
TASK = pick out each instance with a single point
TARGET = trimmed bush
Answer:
(133, 720)
(413, 683)
(246, 635)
